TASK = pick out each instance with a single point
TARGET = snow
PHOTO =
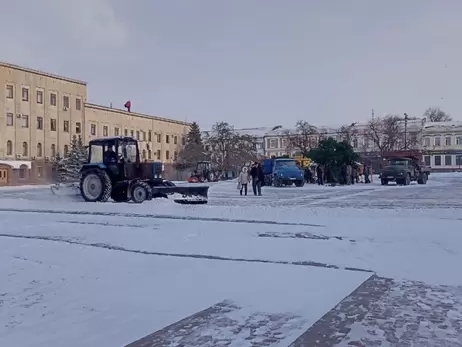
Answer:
(76, 273)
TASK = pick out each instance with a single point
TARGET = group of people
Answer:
(349, 174)
(255, 175)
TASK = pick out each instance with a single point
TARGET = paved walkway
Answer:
(381, 312)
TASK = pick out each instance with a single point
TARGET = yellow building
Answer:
(40, 113)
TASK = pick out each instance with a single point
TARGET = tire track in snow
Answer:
(160, 216)
(181, 255)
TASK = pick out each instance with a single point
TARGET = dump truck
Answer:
(282, 172)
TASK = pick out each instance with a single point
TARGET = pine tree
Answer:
(194, 135)
(76, 157)
(60, 168)
(193, 150)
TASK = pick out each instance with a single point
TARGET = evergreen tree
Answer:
(194, 135)
(76, 157)
(60, 169)
(193, 150)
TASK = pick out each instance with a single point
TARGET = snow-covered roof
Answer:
(452, 124)
(16, 164)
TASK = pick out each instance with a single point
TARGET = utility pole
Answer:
(406, 117)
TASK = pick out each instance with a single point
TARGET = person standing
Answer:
(257, 178)
(261, 178)
(244, 180)
(319, 174)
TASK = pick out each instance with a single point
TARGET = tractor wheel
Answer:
(95, 185)
(140, 191)
(211, 177)
(120, 193)
(423, 179)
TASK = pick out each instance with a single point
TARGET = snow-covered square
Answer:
(360, 265)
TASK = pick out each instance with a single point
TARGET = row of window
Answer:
(447, 160)
(39, 124)
(39, 151)
(39, 97)
(140, 135)
(448, 141)
(146, 154)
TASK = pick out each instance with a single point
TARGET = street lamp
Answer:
(406, 117)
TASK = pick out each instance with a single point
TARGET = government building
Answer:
(41, 112)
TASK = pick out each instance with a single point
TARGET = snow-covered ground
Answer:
(82, 274)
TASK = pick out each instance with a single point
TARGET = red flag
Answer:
(128, 105)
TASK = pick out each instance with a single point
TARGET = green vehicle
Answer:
(404, 170)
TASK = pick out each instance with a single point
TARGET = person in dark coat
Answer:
(258, 178)
(320, 174)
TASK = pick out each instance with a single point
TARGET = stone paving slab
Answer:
(380, 312)
(224, 324)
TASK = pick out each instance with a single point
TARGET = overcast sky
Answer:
(247, 62)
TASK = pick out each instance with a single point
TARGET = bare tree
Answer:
(435, 114)
(303, 138)
(228, 149)
(387, 134)
(347, 132)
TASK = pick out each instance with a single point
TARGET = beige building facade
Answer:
(41, 112)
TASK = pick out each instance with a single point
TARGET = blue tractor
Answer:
(114, 170)
(282, 172)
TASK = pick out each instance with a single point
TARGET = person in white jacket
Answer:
(243, 180)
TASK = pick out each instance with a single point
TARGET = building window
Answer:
(175, 140)
(355, 143)
(437, 160)
(53, 124)
(132, 133)
(144, 154)
(149, 136)
(22, 171)
(9, 148)
(66, 149)
(53, 150)
(78, 104)
(126, 132)
(25, 121)
(93, 129)
(459, 160)
(39, 171)
(167, 155)
(9, 92)
(25, 94)
(116, 131)
(39, 97)
(159, 138)
(52, 99)
(39, 123)
(105, 131)
(149, 154)
(448, 160)
(144, 135)
(427, 142)
(78, 128)
(39, 150)
(138, 135)
(65, 102)
(183, 140)
(175, 155)
(427, 160)
(459, 140)
(437, 141)
(9, 119)
(448, 141)
(158, 154)
(167, 138)
(272, 143)
(25, 149)
(66, 126)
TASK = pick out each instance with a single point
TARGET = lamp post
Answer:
(406, 117)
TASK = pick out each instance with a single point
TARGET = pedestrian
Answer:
(354, 174)
(367, 172)
(257, 178)
(243, 180)
(319, 174)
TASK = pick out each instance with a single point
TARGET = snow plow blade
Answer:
(190, 194)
